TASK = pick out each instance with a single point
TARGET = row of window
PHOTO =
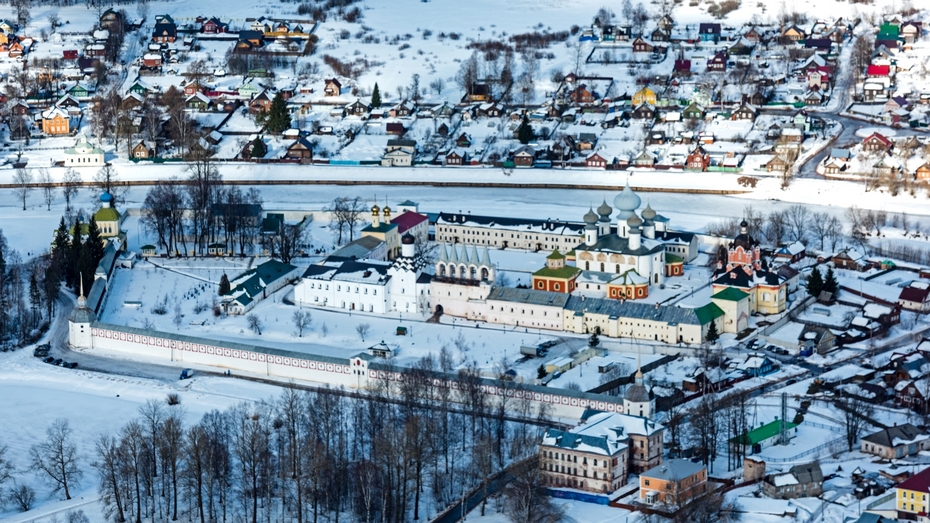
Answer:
(523, 311)
(574, 471)
(473, 232)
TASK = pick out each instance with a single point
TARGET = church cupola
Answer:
(626, 203)
(375, 215)
(591, 228)
(635, 235)
(407, 246)
(603, 223)
(649, 226)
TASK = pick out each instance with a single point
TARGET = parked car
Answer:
(57, 361)
(73, 365)
(50, 359)
(63, 363)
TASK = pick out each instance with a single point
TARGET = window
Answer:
(647, 482)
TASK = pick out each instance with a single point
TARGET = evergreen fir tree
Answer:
(35, 298)
(259, 150)
(279, 120)
(51, 286)
(60, 249)
(74, 253)
(829, 283)
(541, 372)
(376, 97)
(94, 242)
(712, 333)
(593, 341)
(224, 285)
(87, 266)
(815, 283)
(525, 131)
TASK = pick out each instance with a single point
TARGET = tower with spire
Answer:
(638, 401)
(79, 322)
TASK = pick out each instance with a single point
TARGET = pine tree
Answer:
(279, 120)
(525, 131)
(815, 283)
(94, 242)
(74, 254)
(224, 285)
(87, 266)
(829, 283)
(35, 298)
(259, 149)
(60, 248)
(712, 333)
(376, 97)
(593, 341)
(541, 372)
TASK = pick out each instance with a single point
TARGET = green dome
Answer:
(106, 214)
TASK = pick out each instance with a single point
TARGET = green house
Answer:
(79, 91)
(887, 32)
(139, 88)
(764, 436)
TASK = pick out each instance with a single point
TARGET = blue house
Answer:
(709, 33)
(757, 365)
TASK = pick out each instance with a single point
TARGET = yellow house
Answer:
(644, 96)
(56, 121)
(911, 498)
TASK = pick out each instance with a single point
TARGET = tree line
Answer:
(305, 455)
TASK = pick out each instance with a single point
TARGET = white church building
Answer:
(368, 286)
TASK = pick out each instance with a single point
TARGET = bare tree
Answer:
(302, 321)
(48, 187)
(22, 179)
(362, 329)
(56, 458)
(856, 414)
(820, 227)
(107, 180)
(70, 183)
(6, 468)
(23, 496)
(255, 324)
(798, 218)
(526, 500)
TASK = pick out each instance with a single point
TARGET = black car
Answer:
(57, 361)
(73, 365)
(50, 359)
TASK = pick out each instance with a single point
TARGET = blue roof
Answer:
(106, 197)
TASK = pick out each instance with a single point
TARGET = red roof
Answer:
(919, 482)
(878, 136)
(914, 294)
(407, 220)
(878, 70)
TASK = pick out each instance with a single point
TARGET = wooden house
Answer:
(697, 160)
(299, 150)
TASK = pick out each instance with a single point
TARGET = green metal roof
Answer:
(708, 312)
(556, 255)
(561, 272)
(731, 294)
(673, 258)
(106, 214)
(756, 436)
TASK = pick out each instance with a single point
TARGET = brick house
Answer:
(595, 161)
(698, 160)
(674, 482)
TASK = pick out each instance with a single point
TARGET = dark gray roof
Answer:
(358, 248)
(329, 272)
(614, 243)
(886, 437)
(633, 309)
(808, 472)
(529, 296)
(570, 440)
(675, 469)
(636, 393)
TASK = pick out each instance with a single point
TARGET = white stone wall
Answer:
(344, 295)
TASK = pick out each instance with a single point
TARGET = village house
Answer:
(142, 151)
(332, 87)
(697, 160)
(399, 153)
(56, 121)
(709, 32)
(165, 30)
(675, 482)
(915, 297)
(718, 63)
(83, 154)
(300, 150)
(801, 481)
(896, 442)
(911, 497)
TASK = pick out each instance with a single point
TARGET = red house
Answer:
(595, 161)
(213, 26)
(717, 63)
(642, 46)
(878, 71)
(698, 160)
(70, 54)
(876, 142)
